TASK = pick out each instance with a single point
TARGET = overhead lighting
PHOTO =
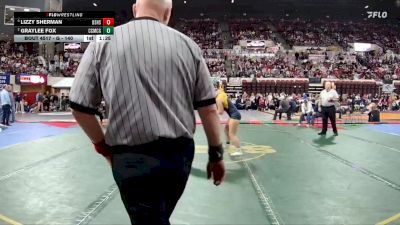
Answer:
(233, 1)
(94, 4)
(367, 6)
(184, 2)
(12, 9)
(27, 10)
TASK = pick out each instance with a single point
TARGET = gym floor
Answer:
(50, 174)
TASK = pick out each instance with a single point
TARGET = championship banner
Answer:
(256, 44)
(316, 58)
(25, 79)
(4, 79)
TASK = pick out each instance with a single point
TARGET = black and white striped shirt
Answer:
(151, 77)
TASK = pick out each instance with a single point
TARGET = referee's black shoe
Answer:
(322, 133)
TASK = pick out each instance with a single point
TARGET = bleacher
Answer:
(295, 86)
(357, 87)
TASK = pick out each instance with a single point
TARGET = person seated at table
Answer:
(306, 113)
(239, 103)
(284, 107)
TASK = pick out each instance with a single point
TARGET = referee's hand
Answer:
(216, 170)
(109, 160)
(103, 149)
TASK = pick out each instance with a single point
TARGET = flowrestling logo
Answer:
(377, 14)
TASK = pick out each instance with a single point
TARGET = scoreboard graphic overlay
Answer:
(63, 26)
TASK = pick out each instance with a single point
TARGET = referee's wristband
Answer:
(215, 153)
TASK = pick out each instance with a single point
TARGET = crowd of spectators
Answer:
(66, 63)
(263, 67)
(341, 66)
(347, 103)
(16, 58)
(205, 32)
(383, 66)
(386, 36)
(300, 32)
(44, 102)
(251, 29)
(215, 60)
(217, 67)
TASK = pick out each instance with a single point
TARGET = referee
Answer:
(328, 98)
(152, 78)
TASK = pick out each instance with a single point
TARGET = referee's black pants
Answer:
(152, 177)
(6, 114)
(328, 112)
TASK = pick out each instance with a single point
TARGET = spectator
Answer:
(13, 107)
(284, 107)
(239, 103)
(24, 102)
(261, 103)
(63, 102)
(46, 101)
(253, 105)
(293, 105)
(18, 102)
(374, 114)
(6, 105)
(39, 102)
(307, 113)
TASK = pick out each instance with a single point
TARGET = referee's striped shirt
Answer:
(151, 77)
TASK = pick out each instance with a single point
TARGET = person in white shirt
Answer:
(328, 97)
(6, 105)
(306, 112)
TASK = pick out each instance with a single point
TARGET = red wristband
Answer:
(102, 148)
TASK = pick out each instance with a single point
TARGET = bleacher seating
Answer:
(356, 87)
(276, 86)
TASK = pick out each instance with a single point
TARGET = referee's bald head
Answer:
(158, 9)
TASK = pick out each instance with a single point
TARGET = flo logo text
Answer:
(376, 14)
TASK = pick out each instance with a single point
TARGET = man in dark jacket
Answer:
(284, 107)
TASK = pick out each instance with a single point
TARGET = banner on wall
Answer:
(256, 43)
(316, 58)
(26, 79)
(388, 88)
(4, 78)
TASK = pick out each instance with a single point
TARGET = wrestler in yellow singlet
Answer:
(232, 126)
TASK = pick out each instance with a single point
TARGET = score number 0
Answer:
(109, 22)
